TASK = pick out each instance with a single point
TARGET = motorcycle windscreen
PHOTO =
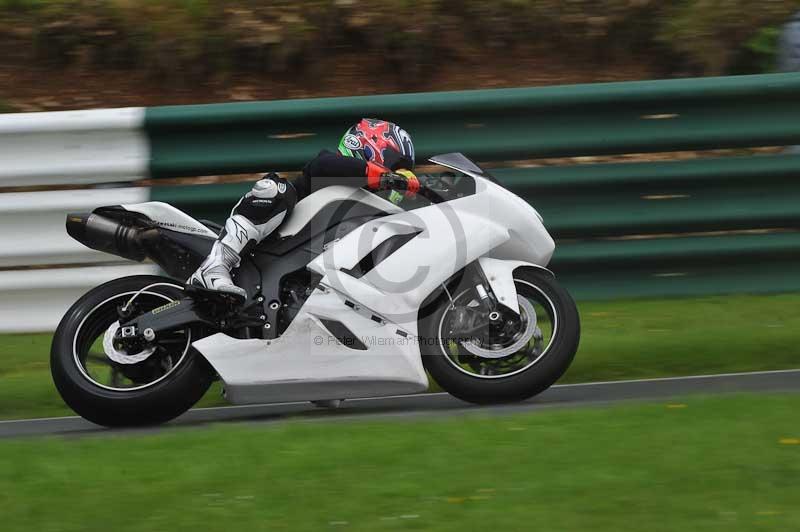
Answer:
(460, 163)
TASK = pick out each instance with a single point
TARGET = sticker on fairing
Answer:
(162, 308)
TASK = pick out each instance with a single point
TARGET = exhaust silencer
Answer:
(107, 235)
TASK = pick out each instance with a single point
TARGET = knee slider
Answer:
(265, 188)
(268, 197)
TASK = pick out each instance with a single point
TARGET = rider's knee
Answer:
(269, 197)
(267, 188)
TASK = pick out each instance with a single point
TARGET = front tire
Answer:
(500, 377)
(160, 388)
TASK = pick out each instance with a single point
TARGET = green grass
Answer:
(620, 340)
(669, 337)
(713, 464)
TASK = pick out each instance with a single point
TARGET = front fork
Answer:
(496, 291)
(499, 276)
(472, 319)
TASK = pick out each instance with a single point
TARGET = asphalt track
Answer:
(568, 395)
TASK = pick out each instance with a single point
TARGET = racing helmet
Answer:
(379, 142)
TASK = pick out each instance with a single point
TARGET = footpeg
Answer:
(200, 293)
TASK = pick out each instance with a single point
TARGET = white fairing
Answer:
(308, 363)
(305, 210)
(380, 308)
(500, 276)
(168, 217)
(451, 235)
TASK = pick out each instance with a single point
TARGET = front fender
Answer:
(500, 276)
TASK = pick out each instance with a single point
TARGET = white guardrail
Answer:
(42, 270)
(73, 147)
(35, 300)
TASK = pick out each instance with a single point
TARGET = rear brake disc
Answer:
(119, 356)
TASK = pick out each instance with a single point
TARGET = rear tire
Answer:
(523, 383)
(165, 398)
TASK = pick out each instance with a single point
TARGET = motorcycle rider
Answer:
(378, 150)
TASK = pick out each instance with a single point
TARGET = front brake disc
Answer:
(528, 314)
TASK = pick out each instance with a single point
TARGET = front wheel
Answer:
(513, 357)
(114, 386)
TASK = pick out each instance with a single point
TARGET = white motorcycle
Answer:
(353, 296)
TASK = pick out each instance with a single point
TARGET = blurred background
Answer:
(77, 54)
(675, 208)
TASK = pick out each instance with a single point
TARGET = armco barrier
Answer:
(74, 147)
(35, 300)
(32, 234)
(700, 226)
(492, 125)
(32, 225)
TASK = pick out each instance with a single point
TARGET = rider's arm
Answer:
(330, 164)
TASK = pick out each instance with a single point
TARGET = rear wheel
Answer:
(515, 356)
(112, 385)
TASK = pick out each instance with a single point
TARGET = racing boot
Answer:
(215, 272)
